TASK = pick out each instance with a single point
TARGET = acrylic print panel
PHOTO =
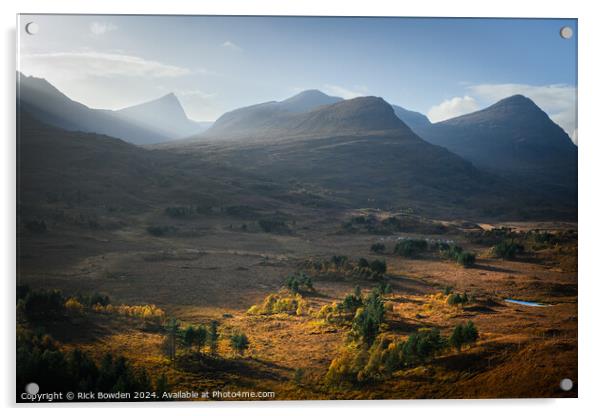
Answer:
(291, 208)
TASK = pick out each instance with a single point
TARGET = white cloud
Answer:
(100, 28)
(559, 101)
(346, 93)
(82, 65)
(231, 45)
(453, 107)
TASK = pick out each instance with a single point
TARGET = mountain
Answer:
(152, 122)
(513, 137)
(415, 120)
(359, 153)
(308, 100)
(164, 115)
(267, 118)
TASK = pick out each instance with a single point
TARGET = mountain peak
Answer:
(311, 93)
(516, 101)
(357, 114)
(164, 114)
(308, 100)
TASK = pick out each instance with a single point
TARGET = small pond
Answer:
(525, 303)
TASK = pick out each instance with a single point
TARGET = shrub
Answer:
(279, 303)
(367, 320)
(339, 261)
(466, 259)
(377, 248)
(362, 262)
(73, 306)
(457, 299)
(410, 248)
(451, 251)
(378, 266)
(352, 301)
(463, 334)
(508, 249)
(195, 336)
(239, 343)
(422, 346)
(383, 288)
(299, 282)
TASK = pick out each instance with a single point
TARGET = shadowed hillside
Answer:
(513, 137)
(359, 151)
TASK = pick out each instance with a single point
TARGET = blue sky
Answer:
(440, 67)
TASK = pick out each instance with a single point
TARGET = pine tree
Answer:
(213, 337)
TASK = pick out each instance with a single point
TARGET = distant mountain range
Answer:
(152, 122)
(512, 137)
(509, 159)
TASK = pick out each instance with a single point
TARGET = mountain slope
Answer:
(164, 115)
(359, 153)
(513, 136)
(47, 104)
(415, 120)
(270, 118)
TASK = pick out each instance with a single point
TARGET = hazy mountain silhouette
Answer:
(164, 115)
(268, 118)
(153, 122)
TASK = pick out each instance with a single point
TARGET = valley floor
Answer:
(219, 272)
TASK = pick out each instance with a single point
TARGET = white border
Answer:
(590, 288)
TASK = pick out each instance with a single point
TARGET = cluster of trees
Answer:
(363, 363)
(415, 247)
(368, 318)
(280, 303)
(457, 299)
(40, 305)
(392, 224)
(190, 337)
(239, 342)
(195, 336)
(492, 236)
(464, 334)
(40, 359)
(44, 305)
(299, 282)
(377, 267)
(198, 336)
(410, 248)
(365, 313)
(341, 265)
(457, 253)
(508, 249)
